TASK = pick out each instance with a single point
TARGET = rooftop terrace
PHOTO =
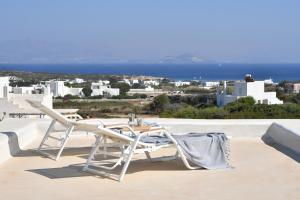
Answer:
(260, 171)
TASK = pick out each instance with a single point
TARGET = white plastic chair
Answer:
(129, 146)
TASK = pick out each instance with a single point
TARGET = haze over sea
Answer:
(277, 72)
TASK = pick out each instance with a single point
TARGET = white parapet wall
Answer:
(283, 136)
(15, 134)
(234, 128)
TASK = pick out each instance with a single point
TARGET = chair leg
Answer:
(47, 134)
(148, 155)
(93, 152)
(128, 158)
(184, 160)
(180, 153)
(69, 131)
(105, 147)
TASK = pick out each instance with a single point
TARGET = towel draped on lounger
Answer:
(207, 150)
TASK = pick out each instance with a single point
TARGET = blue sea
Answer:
(277, 72)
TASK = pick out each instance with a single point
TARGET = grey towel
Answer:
(210, 150)
(156, 139)
(207, 150)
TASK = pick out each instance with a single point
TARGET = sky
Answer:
(97, 31)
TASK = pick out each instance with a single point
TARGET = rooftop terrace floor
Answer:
(260, 172)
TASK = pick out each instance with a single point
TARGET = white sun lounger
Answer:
(70, 127)
(128, 147)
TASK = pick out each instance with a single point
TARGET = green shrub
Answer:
(87, 91)
(187, 112)
(159, 103)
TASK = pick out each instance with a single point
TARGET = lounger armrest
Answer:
(122, 126)
(91, 120)
(154, 131)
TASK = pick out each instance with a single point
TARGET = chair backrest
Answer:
(50, 112)
(94, 128)
(102, 131)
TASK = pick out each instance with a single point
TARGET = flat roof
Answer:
(260, 172)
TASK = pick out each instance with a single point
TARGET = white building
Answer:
(130, 81)
(269, 81)
(149, 91)
(4, 86)
(58, 88)
(211, 83)
(151, 83)
(182, 83)
(255, 89)
(126, 81)
(15, 102)
(104, 82)
(75, 91)
(34, 89)
(296, 87)
(23, 90)
(103, 90)
(78, 80)
(134, 81)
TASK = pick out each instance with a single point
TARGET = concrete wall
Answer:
(22, 90)
(57, 88)
(4, 84)
(155, 92)
(4, 81)
(256, 89)
(240, 89)
(16, 103)
(74, 91)
(296, 87)
(234, 128)
(223, 100)
(15, 134)
(2, 92)
(20, 99)
(284, 136)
